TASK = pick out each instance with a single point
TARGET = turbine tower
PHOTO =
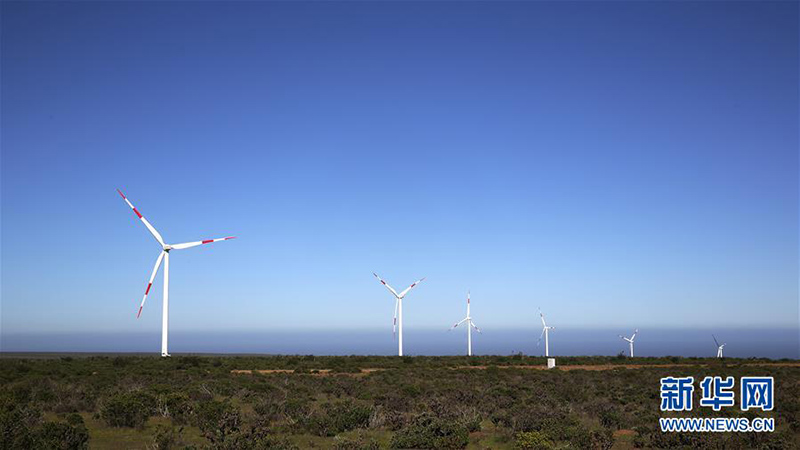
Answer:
(545, 334)
(163, 256)
(398, 309)
(630, 340)
(470, 326)
(719, 347)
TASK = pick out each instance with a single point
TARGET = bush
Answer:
(59, 435)
(532, 440)
(166, 438)
(358, 442)
(14, 431)
(176, 406)
(127, 410)
(611, 419)
(427, 431)
(217, 420)
(336, 418)
(254, 439)
(596, 439)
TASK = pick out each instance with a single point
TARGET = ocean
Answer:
(741, 343)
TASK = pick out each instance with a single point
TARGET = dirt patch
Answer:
(314, 372)
(596, 367)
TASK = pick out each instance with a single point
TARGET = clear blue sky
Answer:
(618, 164)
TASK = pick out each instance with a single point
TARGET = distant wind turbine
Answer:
(545, 334)
(719, 347)
(470, 326)
(398, 309)
(163, 256)
(630, 340)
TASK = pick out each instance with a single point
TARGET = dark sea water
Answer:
(743, 343)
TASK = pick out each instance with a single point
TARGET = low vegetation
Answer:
(362, 402)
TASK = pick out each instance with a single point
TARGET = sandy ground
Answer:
(317, 372)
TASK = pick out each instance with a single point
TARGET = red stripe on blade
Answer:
(140, 312)
(120, 193)
(148, 288)
(207, 241)
(137, 213)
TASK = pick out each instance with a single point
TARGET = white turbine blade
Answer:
(391, 289)
(715, 340)
(458, 323)
(150, 283)
(540, 337)
(475, 326)
(196, 243)
(144, 221)
(634, 334)
(403, 294)
(542, 317)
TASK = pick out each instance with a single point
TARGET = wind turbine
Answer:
(545, 334)
(163, 256)
(470, 326)
(719, 347)
(630, 340)
(398, 309)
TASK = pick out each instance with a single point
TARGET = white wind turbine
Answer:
(545, 334)
(719, 347)
(470, 326)
(630, 340)
(163, 256)
(398, 309)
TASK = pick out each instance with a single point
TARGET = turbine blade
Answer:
(196, 243)
(475, 326)
(540, 338)
(391, 289)
(715, 340)
(634, 334)
(150, 283)
(459, 323)
(144, 221)
(542, 317)
(403, 294)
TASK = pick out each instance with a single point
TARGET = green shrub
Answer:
(127, 410)
(254, 439)
(166, 437)
(63, 436)
(427, 431)
(611, 419)
(595, 439)
(217, 420)
(15, 431)
(335, 418)
(532, 440)
(177, 406)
